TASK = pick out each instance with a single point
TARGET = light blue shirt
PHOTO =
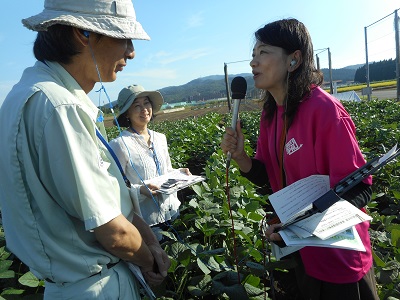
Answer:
(57, 180)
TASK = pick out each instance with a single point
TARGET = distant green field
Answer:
(358, 87)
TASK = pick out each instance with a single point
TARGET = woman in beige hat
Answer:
(143, 154)
(67, 213)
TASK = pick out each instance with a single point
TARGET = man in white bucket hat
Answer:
(66, 210)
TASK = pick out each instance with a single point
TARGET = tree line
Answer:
(378, 71)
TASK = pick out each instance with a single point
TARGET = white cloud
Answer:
(195, 20)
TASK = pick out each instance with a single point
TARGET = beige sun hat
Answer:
(128, 94)
(116, 19)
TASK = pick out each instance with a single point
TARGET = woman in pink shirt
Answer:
(305, 131)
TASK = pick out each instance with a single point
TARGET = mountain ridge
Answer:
(213, 86)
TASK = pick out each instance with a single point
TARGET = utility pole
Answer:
(330, 70)
(330, 65)
(368, 90)
(396, 28)
(228, 92)
(367, 65)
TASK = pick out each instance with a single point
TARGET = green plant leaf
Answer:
(256, 269)
(243, 212)
(198, 190)
(252, 290)
(252, 280)
(234, 292)
(396, 194)
(253, 216)
(12, 291)
(199, 285)
(193, 203)
(203, 267)
(29, 279)
(5, 265)
(4, 254)
(256, 254)
(252, 206)
(243, 235)
(379, 262)
(395, 236)
(213, 251)
(388, 274)
(176, 249)
(195, 291)
(7, 274)
(392, 265)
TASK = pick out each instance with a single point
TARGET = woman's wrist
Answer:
(244, 162)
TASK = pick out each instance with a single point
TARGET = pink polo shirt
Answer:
(321, 140)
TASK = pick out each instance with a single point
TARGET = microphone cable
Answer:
(238, 88)
(228, 197)
(266, 246)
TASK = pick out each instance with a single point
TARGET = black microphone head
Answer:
(238, 87)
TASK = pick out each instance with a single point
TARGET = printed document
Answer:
(298, 197)
(348, 239)
(332, 228)
(337, 218)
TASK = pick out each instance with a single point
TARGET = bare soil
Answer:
(247, 105)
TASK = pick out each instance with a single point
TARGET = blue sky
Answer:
(192, 39)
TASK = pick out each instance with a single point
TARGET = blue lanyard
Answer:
(152, 148)
(156, 161)
(127, 182)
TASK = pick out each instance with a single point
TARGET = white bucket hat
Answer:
(128, 94)
(116, 19)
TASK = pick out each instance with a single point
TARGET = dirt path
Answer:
(188, 112)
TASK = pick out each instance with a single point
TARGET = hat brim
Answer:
(156, 100)
(111, 26)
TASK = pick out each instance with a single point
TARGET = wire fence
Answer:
(381, 41)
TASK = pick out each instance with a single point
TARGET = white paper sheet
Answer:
(295, 198)
(337, 218)
(327, 229)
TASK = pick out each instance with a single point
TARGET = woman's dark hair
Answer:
(291, 35)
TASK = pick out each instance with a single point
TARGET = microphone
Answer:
(238, 88)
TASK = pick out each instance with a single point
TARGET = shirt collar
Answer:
(74, 88)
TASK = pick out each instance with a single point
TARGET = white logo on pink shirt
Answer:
(292, 146)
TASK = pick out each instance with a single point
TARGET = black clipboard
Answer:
(333, 195)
